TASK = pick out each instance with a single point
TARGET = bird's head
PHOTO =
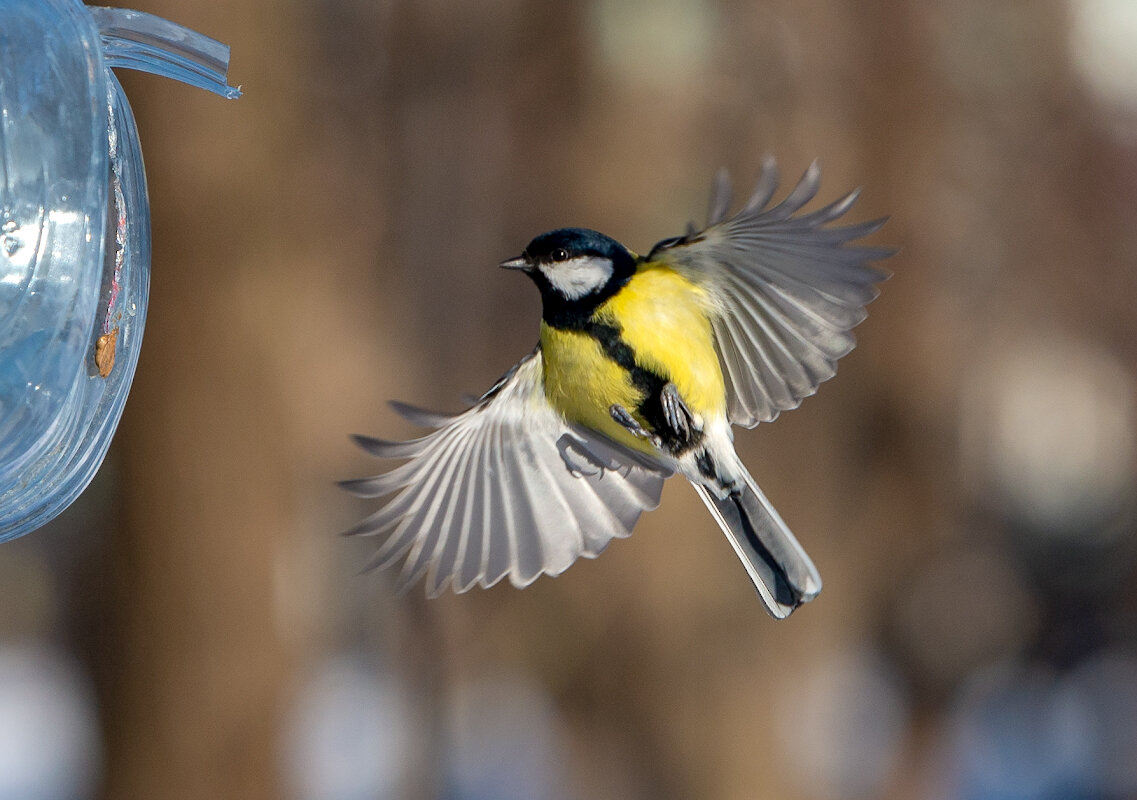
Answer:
(575, 268)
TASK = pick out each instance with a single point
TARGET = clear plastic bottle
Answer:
(74, 236)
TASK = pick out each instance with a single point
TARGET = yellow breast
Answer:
(662, 317)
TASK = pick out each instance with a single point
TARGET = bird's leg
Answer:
(678, 417)
(628, 422)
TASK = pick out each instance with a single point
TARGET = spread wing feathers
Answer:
(786, 290)
(505, 488)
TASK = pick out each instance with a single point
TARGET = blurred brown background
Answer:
(328, 242)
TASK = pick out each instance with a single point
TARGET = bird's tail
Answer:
(781, 571)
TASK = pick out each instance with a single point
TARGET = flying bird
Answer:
(643, 365)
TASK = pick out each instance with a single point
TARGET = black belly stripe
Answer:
(650, 384)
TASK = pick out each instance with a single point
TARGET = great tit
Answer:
(643, 365)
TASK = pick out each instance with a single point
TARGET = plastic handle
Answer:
(136, 40)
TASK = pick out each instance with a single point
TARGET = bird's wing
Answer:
(505, 488)
(786, 291)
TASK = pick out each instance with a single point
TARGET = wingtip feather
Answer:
(721, 192)
(385, 448)
(764, 188)
(419, 416)
(360, 487)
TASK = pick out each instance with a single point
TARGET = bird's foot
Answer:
(678, 417)
(629, 423)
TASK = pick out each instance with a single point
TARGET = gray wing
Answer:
(786, 290)
(505, 488)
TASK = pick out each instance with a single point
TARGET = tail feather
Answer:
(781, 571)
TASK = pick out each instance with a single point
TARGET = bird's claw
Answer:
(675, 412)
(630, 424)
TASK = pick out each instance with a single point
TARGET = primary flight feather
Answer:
(643, 365)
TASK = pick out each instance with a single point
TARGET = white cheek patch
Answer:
(578, 276)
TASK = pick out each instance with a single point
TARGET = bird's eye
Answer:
(560, 254)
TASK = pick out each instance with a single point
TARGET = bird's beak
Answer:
(515, 263)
